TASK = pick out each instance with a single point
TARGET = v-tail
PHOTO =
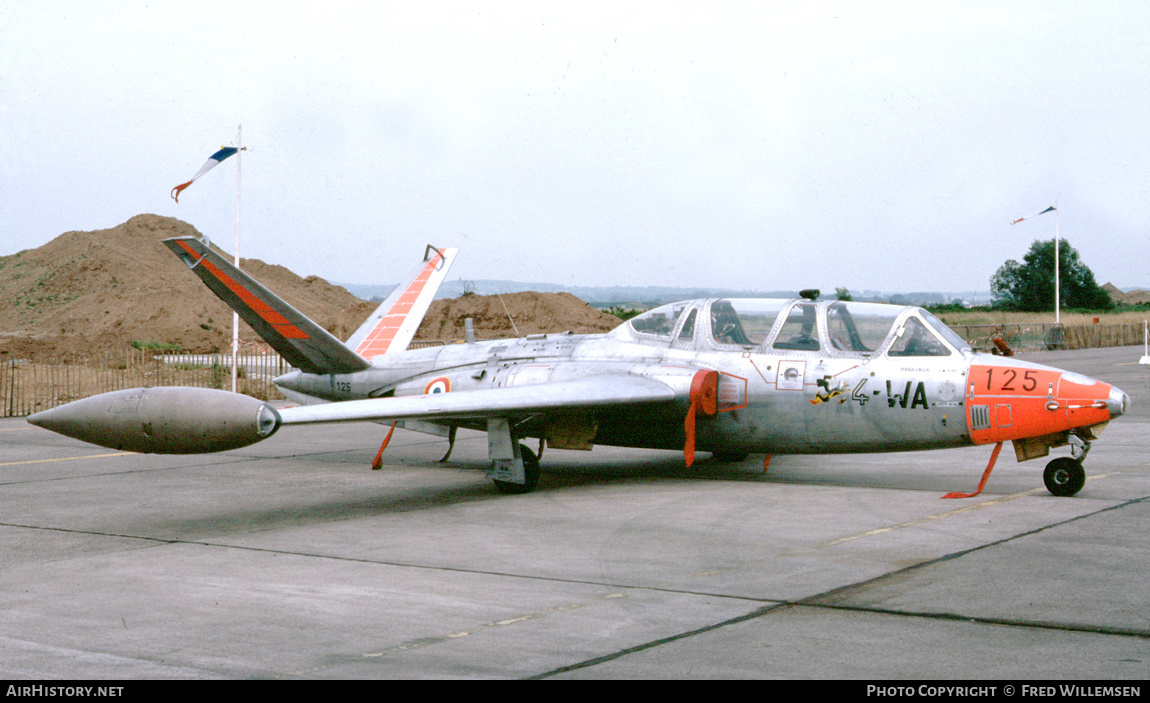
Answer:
(302, 342)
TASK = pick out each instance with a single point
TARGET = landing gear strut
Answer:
(514, 467)
(530, 472)
(1064, 476)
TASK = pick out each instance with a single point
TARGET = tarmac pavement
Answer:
(291, 559)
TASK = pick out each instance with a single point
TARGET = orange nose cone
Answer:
(1015, 400)
(1085, 400)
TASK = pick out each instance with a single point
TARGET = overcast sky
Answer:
(761, 145)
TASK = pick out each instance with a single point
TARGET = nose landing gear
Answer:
(1065, 476)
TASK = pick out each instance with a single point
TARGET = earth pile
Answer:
(91, 293)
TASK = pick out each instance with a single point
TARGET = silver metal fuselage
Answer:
(732, 376)
(770, 400)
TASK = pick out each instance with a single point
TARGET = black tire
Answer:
(1064, 477)
(530, 470)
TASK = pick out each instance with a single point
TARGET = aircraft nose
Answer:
(1118, 402)
(288, 380)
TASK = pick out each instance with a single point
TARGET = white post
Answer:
(1057, 263)
(1145, 343)
(235, 315)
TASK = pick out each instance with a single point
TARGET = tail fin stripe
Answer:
(379, 339)
(301, 342)
(265, 311)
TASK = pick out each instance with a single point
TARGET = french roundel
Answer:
(439, 385)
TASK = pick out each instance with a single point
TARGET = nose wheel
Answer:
(1064, 476)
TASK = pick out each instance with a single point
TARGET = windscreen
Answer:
(860, 327)
(658, 322)
(800, 330)
(916, 339)
(744, 321)
(947, 333)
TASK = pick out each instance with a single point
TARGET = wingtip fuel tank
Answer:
(164, 420)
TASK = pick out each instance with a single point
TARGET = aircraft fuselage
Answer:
(726, 375)
(835, 398)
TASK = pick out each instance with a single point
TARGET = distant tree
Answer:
(622, 313)
(843, 294)
(1029, 286)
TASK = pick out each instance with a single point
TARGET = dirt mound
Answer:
(98, 292)
(533, 313)
(1134, 297)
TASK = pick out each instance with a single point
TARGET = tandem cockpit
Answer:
(768, 325)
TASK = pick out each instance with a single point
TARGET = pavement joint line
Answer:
(772, 605)
(813, 602)
(649, 587)
(754, 614)
(420, 642)
(89, 476)
(235, 459)
(950, 513)
(932, 518)
(1037, 624)
(65, 458)
(963, 552)
(397, 564)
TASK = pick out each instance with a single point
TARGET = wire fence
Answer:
(1023, 337)
(1015, 337)
(29, 386)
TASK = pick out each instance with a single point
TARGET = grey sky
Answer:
(753, 145)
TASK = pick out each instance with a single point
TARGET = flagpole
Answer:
(213, 161)
(235, 315)
(1057, 263)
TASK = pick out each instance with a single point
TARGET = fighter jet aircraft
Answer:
(728, 376)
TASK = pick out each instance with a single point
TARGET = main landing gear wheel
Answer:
(1064, 476)
(530, 470)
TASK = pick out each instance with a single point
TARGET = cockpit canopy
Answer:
(834, 328)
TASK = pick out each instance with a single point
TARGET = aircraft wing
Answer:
(583, 393)
(303, 343)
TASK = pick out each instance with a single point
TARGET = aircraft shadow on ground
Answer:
(471, 485)
(560, 471)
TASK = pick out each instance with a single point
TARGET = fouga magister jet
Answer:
(728, 376)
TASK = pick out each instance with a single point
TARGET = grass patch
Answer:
(154, 346)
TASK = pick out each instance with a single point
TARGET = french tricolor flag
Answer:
(1049, 209)
(213, 161)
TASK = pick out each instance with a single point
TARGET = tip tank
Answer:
(164, 420)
